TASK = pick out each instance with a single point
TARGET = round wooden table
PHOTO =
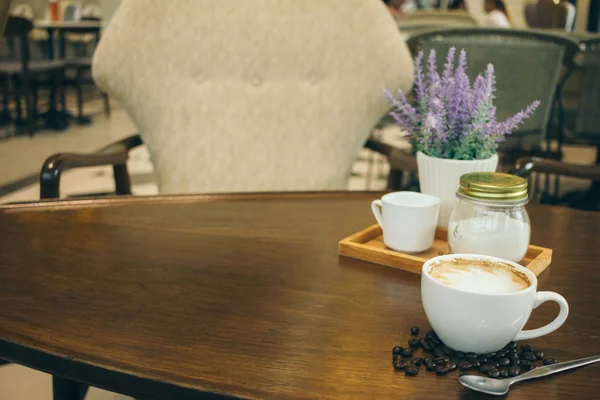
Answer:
(191, 296)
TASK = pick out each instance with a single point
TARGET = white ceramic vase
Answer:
(440, 177)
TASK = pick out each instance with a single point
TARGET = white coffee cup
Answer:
(408, 220)
(479, 322)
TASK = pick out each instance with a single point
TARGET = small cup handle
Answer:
(542, 297)
(376, 208)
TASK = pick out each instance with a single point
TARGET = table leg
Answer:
(65, 389)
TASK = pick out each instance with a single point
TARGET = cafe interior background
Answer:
(93, 120)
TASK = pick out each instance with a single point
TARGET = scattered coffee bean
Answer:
(464, 365)
(513, 371)
(495, 373)
(415, 343)
(503, 374)
(460, 354)
(514, 361)
(408, 352)
(550, 361)
(526, 365)
(474, 362)
(502, 353)
(490, 356)
(428, 360)
(441, 370)
(411, 370)
(436, 340)
(504, 362)
(446, 358)
(485, 368)
(493, 362)
(511, 345)
(539, 354)
(440, 361)
(471, 355)
(481, 358)
(526, 348)
(438, 352)
(426, 345)
(430, 366)
(529, 356)
(447, 350)
(417, 361)
(513, 353)
(414, 330)
(397, 350)
(451, 366)
(396, 357)
(429, 334)
(400, 364)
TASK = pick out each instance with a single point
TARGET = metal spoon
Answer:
(501, 386)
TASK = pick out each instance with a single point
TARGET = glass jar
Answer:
(490, 217)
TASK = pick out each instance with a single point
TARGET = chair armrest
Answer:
(399, 159)
(525, 166)
(115, 154)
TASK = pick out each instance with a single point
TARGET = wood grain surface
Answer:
(192, 296)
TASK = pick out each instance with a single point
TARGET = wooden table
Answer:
(174, 297)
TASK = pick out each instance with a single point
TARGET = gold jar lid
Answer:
(493, 186)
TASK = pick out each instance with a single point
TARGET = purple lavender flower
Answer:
(449, 118)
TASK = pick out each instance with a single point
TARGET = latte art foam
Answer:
(479, 276)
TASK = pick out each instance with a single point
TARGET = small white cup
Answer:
(408, 220)
(483, 323)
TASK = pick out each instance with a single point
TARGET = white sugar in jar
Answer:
(490, 217)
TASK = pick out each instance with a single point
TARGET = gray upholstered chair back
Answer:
(420, 21)
(252, 95)
(587, 126)
(527, 64)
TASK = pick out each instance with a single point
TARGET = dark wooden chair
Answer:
(82, 66)
(586, 200)
(27, 74)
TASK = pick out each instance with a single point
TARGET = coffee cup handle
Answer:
(542, 297)
(376, 208)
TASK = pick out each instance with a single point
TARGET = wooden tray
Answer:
(367, 245)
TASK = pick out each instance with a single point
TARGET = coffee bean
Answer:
(407, 352)
(502, 353)
(485, 368)
(428, 360)
(411, 370)
(438, 352)
(426, 345)
(451, 366)
(504, 361)
(441, 370)
(538, 354)
(493, 362)
(447, 350)
(414, 343)
(513, 353)
(460, 354)
(464, 365)
(430, 334)
(515, 361)
(529, 356)
(430, 366)
(471, 355)
(525, 348)
(417, 361)
(513, 371)
(397, 350)
(396, 357)
(503, 374)
(436, 340)
(440, 361)
(511, 345)
(495, 373)
(481, 358)
(550, 361)
(490, 356)
(400, 364)
(526, 365)
(414, 330)
(446, 358)
(474, 362)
